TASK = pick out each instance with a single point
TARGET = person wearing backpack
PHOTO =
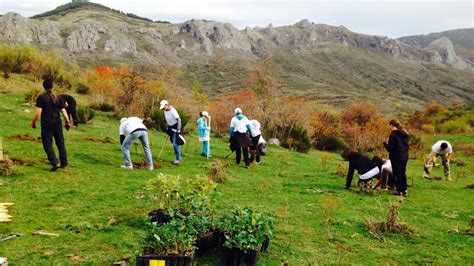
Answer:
(50, 107)
(239, 129)
(173, 121)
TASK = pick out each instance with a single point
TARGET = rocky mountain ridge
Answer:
(99, 33)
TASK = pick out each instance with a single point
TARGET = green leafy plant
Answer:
(181, 196)
(173, 238)
(85, 114)
(246, 228)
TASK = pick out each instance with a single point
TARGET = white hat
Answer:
(163, 103)
(123, 120)
(238, 110)
(205, 113)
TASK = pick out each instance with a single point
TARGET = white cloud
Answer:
(393, 18)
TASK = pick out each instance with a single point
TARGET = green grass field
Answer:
(96, 207)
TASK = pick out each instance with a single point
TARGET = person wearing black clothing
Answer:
(70, 107)
(49, 107)
(397, 147)
(366, 169)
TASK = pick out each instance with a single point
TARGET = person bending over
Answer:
(130, 129)
(441, 149)
(366, 169)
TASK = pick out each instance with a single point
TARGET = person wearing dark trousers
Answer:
(366, 169)
(49, 107)
(239, 129)
(71, 104)
(398, 148)
(256, 135)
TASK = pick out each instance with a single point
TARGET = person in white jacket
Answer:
(130, 129)
(256, 135)
(239, 126)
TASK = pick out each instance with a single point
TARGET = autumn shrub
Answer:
(453, 127)
(364, 128)
(32, 95)
(85, 114)
(297, 140)
(83, 89)
(103, 107)
(330, 143)
(158, 118)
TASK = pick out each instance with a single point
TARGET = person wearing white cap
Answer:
(134, 128)
(203, 133)
(239, 126)
(173, 121)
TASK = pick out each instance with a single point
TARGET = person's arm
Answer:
(390, 144)
(249, 129)
(74, 114)
(178, 119)
(66, 116)
(448, 156)
(350, 175)
(35, 118)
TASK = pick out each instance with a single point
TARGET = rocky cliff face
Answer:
(177, 43)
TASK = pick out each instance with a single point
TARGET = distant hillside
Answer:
(462, 37)
(69, 7)
(329, 64)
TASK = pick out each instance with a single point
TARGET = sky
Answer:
(393, 18)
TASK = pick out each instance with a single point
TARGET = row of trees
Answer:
(298, 123)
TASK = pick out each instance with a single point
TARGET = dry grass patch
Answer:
(393, 224)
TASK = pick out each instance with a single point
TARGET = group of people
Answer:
(245, 134)
(391, 173)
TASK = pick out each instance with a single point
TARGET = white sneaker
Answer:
(150, 168)
(176, 162)
(126, 167)
(425, 175)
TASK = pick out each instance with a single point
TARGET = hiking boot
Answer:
(149, 168)
(54, 167)
(128, 167)
(176, 162)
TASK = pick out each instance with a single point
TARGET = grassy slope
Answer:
(301, 189)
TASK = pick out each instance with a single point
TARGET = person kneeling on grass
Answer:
(203, 133)
(365, 168)
(134, 128)
(49, 107)
(444, 150)
(386, 178)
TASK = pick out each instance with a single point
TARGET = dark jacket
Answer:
(397, 145)
(360, 163)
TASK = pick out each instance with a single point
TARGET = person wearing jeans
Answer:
(444, 150)
(135, 129)
(173, 121)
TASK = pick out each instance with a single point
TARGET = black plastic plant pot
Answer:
(238, 257)
(265, 244)
(209, 241)
(169, 260)
(158, 216)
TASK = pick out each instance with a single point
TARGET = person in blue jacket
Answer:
(239, 129)
(203, 133)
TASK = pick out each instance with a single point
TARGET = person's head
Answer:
(165, 105)
(395, 124)
(48, 84)
(238, 111)
(378, 161)
(349, 154)
(444, 146)
(205, 114)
